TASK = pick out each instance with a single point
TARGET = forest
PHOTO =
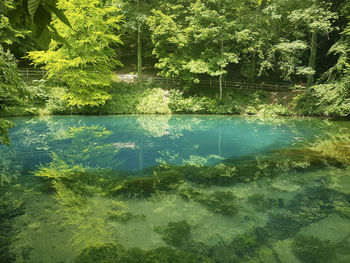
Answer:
(175, 131)
(81, 44)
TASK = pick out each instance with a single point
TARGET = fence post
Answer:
(27, 73)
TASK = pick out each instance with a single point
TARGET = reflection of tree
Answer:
(166, 125)
(79, 186)
(10, 171)
(171, 157)
(154, 126)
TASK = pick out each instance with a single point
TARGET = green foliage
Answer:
(313, 250)
(179, 104)
(8, 35)
(181, 42)
(154, 101)
(11, 90)
(37, 15)
(86, 61)
(331, 99)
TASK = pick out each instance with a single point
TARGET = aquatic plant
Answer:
(177, 234)
(161, 180)
(311, 249)
(342, 207)
(245, 244)
(108, 253)
(112, 253)
(220, 174)
(219, 202)
(124, 217)
(280, 226)
(10, 208)
(309, 211)
(335, 148)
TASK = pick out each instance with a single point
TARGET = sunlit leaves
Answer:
(86, 64)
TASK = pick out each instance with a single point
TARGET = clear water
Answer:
(175, 189)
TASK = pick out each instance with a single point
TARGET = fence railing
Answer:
(32, 72)
(35, 73)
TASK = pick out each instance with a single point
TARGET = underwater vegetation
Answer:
(9, 209)
(219, 202)
(177, 234)
(115, 253)
(145, 186)
(246, 205)
(313, 250)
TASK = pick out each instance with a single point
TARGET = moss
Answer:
(313, 250)
(219, 202)
(177, 234)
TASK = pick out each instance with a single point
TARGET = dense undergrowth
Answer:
(46, 98)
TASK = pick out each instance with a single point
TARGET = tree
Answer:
(134, 29)
(86, 60)
(11, 87)
(11, 90)
(198, 42)
(36, 15)
(318, 20)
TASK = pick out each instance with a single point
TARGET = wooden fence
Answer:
(33, 73)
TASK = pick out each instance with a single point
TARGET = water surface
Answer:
(175, 189)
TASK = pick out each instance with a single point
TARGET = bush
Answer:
(154, 101)
(331, 99)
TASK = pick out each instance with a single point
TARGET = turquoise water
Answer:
(175, 189)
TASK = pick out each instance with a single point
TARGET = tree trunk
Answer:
(313, 54)
(220, 83)
(220, 78)
(139, 48)
(312, 59)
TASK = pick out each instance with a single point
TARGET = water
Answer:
(175, 189)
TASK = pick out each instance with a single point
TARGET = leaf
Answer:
(59, 13)
(44, 39)
(56, 36)
(32, 7)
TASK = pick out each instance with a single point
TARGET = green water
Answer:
(175, 189)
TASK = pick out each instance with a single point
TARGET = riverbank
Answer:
(45, 98)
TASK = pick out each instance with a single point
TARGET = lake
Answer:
(171, 188)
